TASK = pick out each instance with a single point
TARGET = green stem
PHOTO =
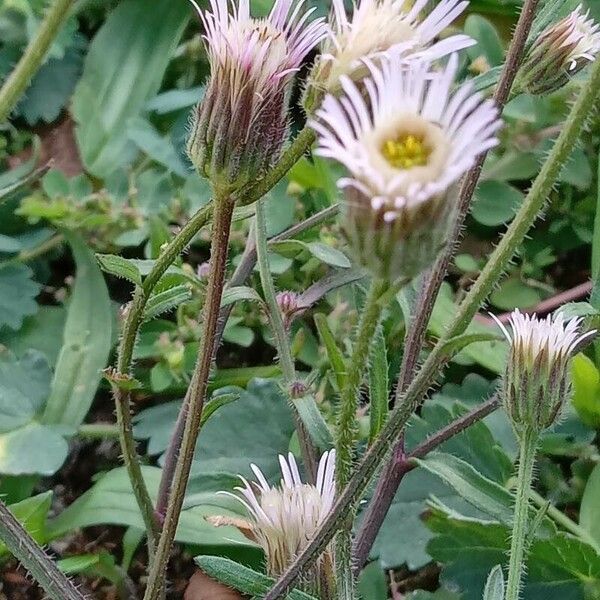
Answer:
(42, 568)
(98, 431)
(488, 278)
(194, 402)
(281, 337)
(347, 429)
(32, 58)
(519, 542)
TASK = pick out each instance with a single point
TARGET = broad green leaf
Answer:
(495, 203)
(586, 390)
(87, 340)
(17, 295)
(488, 40)
(32, 449)
(32, 514)
(589, 512)
(460, 342)
(120, 267)
(558, 567)
(494, 586)
(124, 67)
(155, 424)
(24, 387)
(323, 252)
(372, 584)
(242, 578)
(379, 385)
(111, 501)
(513, 293)
(166, 300)
(175, 99)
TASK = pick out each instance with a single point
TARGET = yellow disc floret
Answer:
(406, 151)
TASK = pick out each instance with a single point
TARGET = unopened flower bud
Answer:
(405, 146)
(379, 28)
(536, 382)
(240, 126)
(203, 270)
(560, 52)
(288, 305)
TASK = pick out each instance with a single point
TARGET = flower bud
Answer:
(378, 28)
(536, 382)
(404, 146)
(288, 305)
(560, 52)
(240, 126)
(283, 519)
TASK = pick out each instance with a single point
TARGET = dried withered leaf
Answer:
(243, 526)
(202, 587)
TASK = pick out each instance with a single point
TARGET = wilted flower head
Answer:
(284, 518)
(536, 382)
(404, 147)
(241, 123)
(560, 52)
(379, 28)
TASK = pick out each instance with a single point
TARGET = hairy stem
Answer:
(409, 401)
(32, 58)
(527, 449)
(194, 402)
(280, 335)
(135, 313)
(42, 568)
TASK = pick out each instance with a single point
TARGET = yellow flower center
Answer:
(406, 151)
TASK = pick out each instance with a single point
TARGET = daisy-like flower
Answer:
(404, 146)
(284, 518)
(560, 52)
(377, 28)
(536, 381)
(240, 125)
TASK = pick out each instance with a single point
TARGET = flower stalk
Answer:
(193, 404)
(527, 449)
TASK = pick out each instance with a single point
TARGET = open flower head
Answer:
(378, 28)
(404, 146)
(560, 52)
(241, 123)
(536, 381)
(284, 518)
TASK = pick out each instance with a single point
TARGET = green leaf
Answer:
(328, 255)
(586, 390)
(488, 45)
(484, 494)
(175, 99)
(379, 385)
(87, 340)
(460, 342)
(238, 293)
(372, 584)
(241, 578)
(166, 300)
(24, 387)
(32, 514)
(124, 67)
(495, 203)
(111, 501)
(17, 295)
(313, 420)
(494, 586)
(491, 355)
(120, 267)
(155, 424)
(589, 512)
(336, 358)
(513, 293)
